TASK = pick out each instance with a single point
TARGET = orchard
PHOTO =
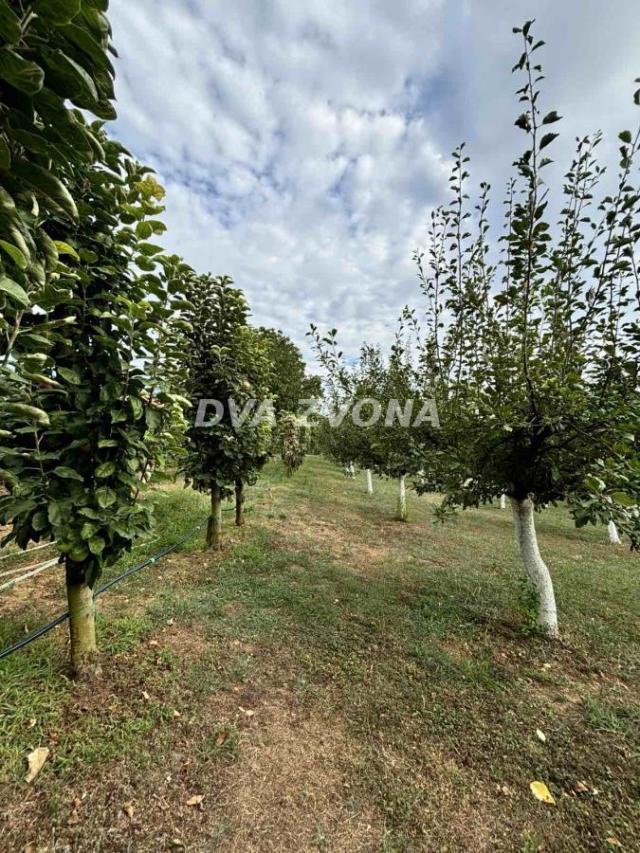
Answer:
(366, 631)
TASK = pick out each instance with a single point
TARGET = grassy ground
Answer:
(334, 681)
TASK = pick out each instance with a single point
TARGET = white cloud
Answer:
(302, 142)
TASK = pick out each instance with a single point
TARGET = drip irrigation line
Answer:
(45, 629)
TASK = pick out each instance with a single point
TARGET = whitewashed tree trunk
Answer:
(535, 567)
(402, 499)
(614, 537)
(503, 501)
(82, 626)
(369, 482)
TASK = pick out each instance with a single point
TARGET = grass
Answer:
(336, 680)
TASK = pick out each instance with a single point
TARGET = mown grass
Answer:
(408, 644)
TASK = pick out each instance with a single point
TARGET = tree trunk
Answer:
(239, 503)
(614, 537)
(402, 499)
(503, 501)
(534, 565)
(214, 530)
(369, 482)
(82, 622)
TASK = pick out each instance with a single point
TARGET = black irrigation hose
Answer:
(40, 632)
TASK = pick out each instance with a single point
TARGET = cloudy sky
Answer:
(303, 142)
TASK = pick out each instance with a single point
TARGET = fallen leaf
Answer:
(177, 844)
(176, 715)
(146, 696)
(127, 808)
(542, 793)
(32, 722)
(170, 621)
(36, 760)
(195, 801)
(581, 788)
(222, 737)
(154, 643)
(613, 841)
(541, 736)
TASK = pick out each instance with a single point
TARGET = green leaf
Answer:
(9, 23)
(144, 230)
(105, 497)
(89, 530)
(78, 553)
(97, 545)
(547, 139)
(67, 473)
(65, 76)
(40, 379)
(55, 513)
(34, 142)
(624, 499)
(15, 292)
(153, 419)
(88, 256)
(69, 375)
(551, 117)
(15, 254)
(20, 73)
(60, 11)
(39, 521)
(66, 249)
(7, 477)
(87, 512)
(105, 470)
(25, 412)
(34, 340)
(136, 407)
(183, 305)
(149, 249)
(47, 184)
(83, 39)
(626, 136)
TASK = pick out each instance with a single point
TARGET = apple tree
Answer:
(535, 353)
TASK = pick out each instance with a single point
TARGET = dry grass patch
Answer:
(307, 532)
